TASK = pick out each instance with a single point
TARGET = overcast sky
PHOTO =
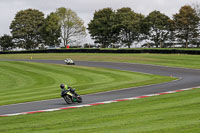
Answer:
(85, 8)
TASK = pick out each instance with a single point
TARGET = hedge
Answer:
(156, 51)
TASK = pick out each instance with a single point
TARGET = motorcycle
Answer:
(69, 61)
(70, 97)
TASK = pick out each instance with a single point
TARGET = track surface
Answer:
(188, 78)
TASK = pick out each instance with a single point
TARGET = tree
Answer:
(25, 28)
(72, 27)
(196, 6)
(172, 39)
(129, 24)
(102, 27)
(158, 27)
(6, 43)
(51, 31)
(186, 24)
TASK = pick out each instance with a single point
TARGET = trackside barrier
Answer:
(156, 51)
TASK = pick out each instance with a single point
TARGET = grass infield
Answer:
(171, 113)
(173, 60)
(26, 81)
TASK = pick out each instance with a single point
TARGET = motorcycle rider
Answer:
(63, 90)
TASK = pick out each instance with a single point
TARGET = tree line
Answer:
(124, 27)
(108, 28)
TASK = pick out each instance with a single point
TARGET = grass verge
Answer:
(26, 81)
(171, 113)
(174, 60)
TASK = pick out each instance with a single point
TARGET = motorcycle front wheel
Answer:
(67, 99)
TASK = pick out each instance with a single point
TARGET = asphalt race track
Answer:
(188, 78)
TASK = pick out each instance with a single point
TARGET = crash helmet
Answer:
(62, 86)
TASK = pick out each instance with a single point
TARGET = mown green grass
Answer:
(26, 81)
(174, 60)
(171, 113)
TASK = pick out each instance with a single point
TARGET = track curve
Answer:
(188, 78)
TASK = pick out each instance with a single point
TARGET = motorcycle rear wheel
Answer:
(79, 99)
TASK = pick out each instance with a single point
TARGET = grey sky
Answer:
(85, 8)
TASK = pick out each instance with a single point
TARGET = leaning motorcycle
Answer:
(70, 97)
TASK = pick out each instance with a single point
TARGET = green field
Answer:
(175, 60)
(26, 81)
(171, 113)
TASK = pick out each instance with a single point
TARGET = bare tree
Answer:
(72, 27)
